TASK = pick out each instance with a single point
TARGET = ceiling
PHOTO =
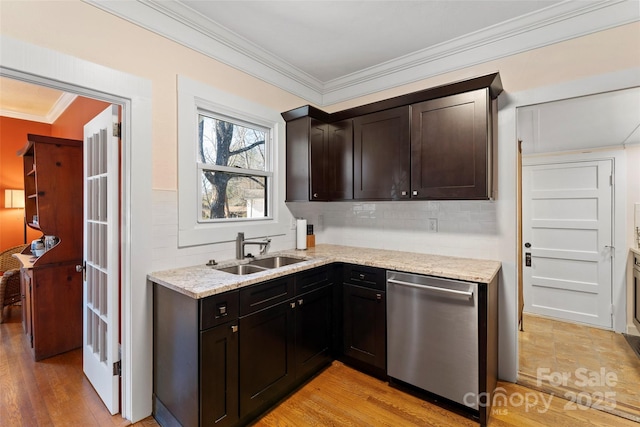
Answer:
(26, 101)
(332, 39)
(331, 51)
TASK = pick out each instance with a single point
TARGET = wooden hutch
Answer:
(51, 286)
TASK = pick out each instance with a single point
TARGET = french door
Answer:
(101, 263)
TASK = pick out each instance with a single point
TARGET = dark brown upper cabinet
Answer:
(451, 147)
(434, 144)
(381, 155)
(331, 147)
(319, 157)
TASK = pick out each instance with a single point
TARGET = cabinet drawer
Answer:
(368, 277)
(257, 297)
(218, 309)
(313, 279)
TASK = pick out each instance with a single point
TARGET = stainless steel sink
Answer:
(275, 261)
(242, 269)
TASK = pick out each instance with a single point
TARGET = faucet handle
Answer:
(265, 248)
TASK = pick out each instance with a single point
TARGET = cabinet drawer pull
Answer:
(379, 297)
(234, 328)
(361, 276)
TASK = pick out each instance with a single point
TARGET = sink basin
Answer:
(242, 269)
(275, 262)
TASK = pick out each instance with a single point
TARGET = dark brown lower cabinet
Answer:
(266, 365)
(313, 332)
(221, 361)
(364, 329)
(282, 346)
(218, 376)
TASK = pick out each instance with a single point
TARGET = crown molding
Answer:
(52, 115)
(60, 106)
(180, 24)
(553, 24)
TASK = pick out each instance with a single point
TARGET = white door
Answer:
(567, 233)
(101, 280)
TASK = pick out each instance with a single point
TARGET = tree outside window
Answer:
(233, 164)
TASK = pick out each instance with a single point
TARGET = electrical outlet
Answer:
(432, 225)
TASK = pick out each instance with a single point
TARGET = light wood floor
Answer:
(55, 393)
(596, 363)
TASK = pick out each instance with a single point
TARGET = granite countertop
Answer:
(201, 281)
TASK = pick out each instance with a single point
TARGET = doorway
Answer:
(37, 65)
(570, 330)
(73, 117)
(567, 234)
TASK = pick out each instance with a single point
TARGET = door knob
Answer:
(527, 245)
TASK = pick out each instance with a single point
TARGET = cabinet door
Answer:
(331, 148)
(381, 151)
(313, 331)
(339, 162)
(56, 314)
(319, 152)
(450, 147)
(266, 357)
(297, 155)
(219, 376)
(364, 323)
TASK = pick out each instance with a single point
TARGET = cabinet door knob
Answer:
(293, 305)
(234, 328)
(379, 297)
(415, 192)
(404, 193)
(300, 301)
(315, 195)
(361, 276)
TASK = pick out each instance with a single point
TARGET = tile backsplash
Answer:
(441, 227)
(455, 228)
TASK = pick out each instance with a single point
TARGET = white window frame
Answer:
(196, 97)
(267, 173)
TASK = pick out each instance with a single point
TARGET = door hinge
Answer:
(117, 368)
(117, 129)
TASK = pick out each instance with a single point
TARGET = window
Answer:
(229, 149)
(232, 160)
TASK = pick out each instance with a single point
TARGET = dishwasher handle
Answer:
(431, 288)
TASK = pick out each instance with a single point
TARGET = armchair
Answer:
(10, 279)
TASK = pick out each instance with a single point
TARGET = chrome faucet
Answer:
(240, 244)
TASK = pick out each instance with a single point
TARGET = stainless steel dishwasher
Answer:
(432, 335)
